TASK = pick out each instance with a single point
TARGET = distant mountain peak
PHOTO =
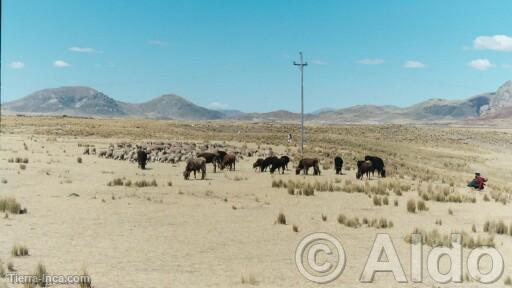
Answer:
(87, 101)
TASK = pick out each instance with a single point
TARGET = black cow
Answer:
(267, 162)
(363, 167)
(377, 165)
(257, 165)
(338, 165)
(307, 163)
(142, 158)
(278, 164)
(286, 160)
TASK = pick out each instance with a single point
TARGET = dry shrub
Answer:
(79, 160)
(281, 219)
(508, 281)
(19, 251)
(434, 239)
(421, 205)
(115, 182)
(349, 222)
(19, 160)
(249, 280)
(85, 280)
(145, 183)
(377, 201)
(324, 217)
(411, 206)
(9, 204)
(2, 270)
(295, 228)
(39, 277)
(493, 227)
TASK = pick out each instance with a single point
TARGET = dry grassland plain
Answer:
(225, 231)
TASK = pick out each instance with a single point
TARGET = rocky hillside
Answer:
(84, 101)
(77, 101)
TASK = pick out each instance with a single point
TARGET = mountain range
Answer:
(86, 101)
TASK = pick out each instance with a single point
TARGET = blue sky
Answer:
(238, 54)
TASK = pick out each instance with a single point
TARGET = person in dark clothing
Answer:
(142, 158)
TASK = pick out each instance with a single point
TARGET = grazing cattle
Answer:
(267, 162)
(210, 158)
(363, 167)
(220, 156)
(338, 165)
(377, 165)
(307, 163)
(194, 165)
(142, 158)
(228, 160)
(257, 165)
(286, 160)
(277, 164)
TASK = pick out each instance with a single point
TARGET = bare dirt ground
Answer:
(222, 232)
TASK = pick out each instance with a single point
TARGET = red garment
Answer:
(480, 182)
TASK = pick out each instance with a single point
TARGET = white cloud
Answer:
(61, 64)
(413, 64)
(82, 49)
(507, 66)
(319, 62)
(369, 61)
(218, 105)
(481, 64)
(157, 43)
(17, 65)
(496, 43)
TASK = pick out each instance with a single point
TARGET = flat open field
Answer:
(223, 231)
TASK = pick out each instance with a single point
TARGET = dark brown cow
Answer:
(194, 165)
(210, 157)
(228, 160)
(364, 167)
(307, 163)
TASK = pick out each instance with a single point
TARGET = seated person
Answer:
(478, 182)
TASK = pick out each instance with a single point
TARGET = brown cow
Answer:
(228, 160)
(307, 163)
(193, 165)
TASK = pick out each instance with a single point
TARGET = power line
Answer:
(301, 65)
